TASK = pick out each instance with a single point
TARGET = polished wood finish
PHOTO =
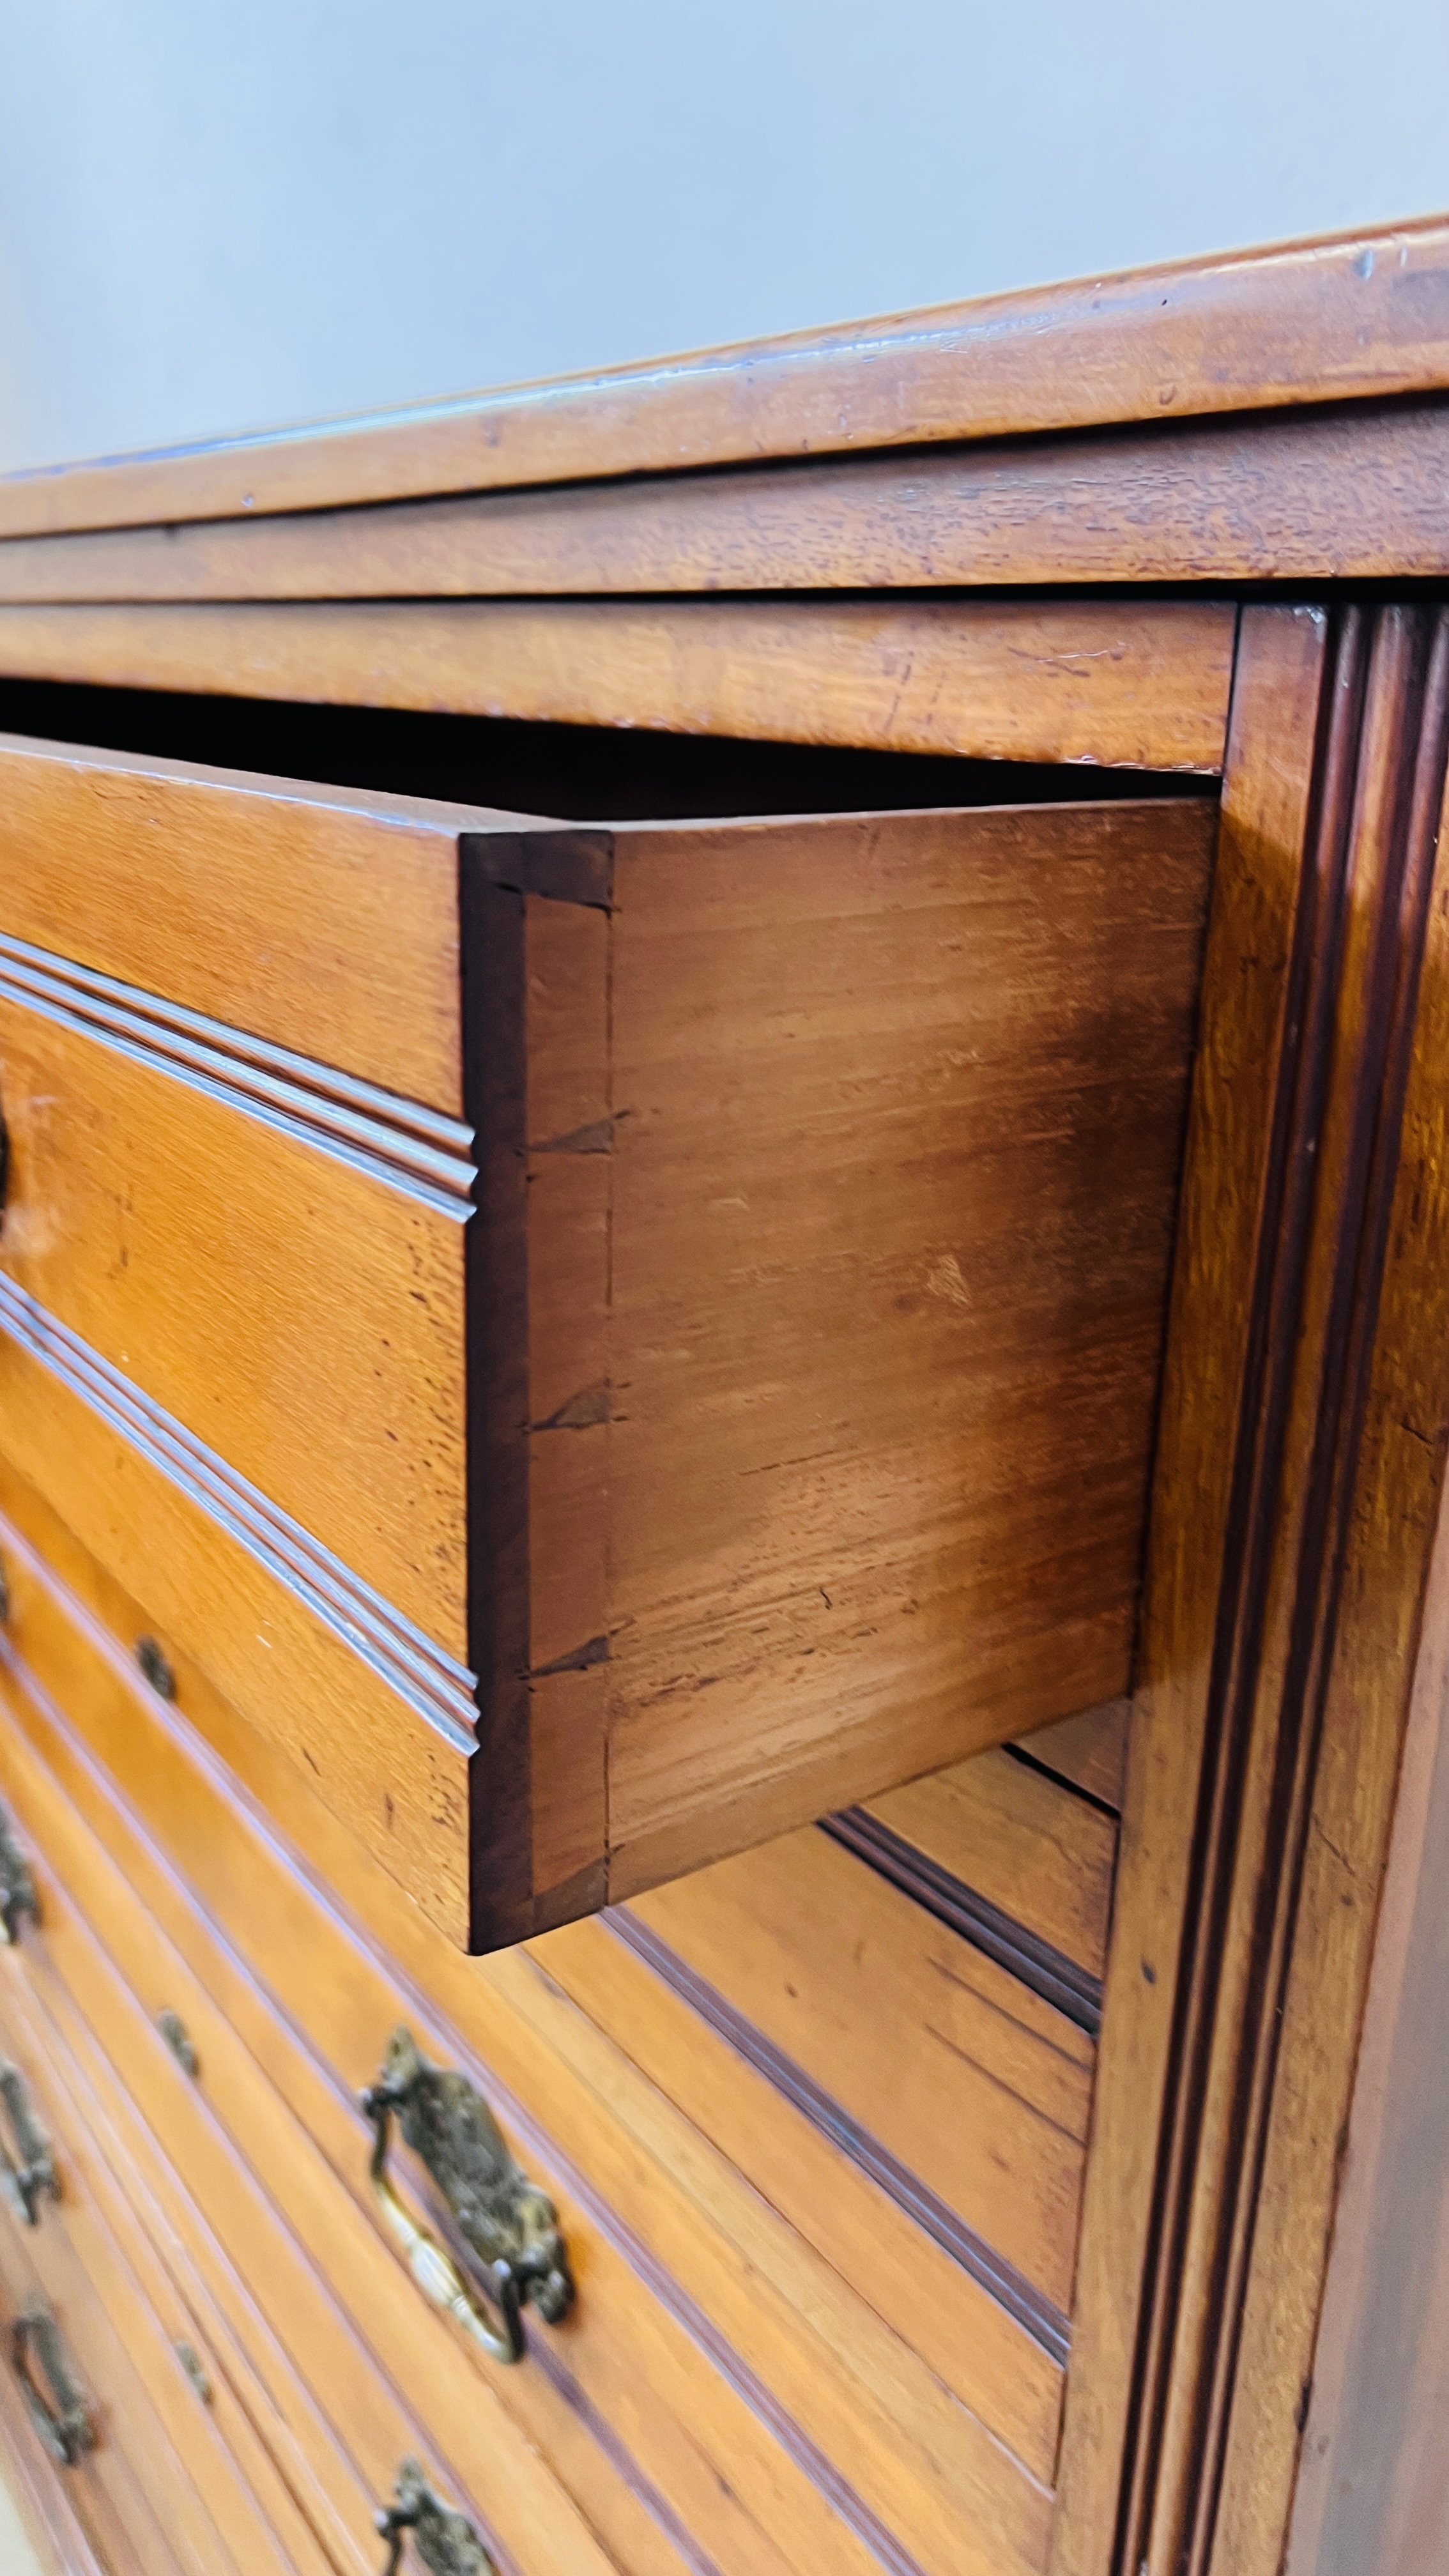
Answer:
(1310, 322)
(1371, 2494)
(1230, 1164)
(881, 2417)
(387, 1771)
(1090, 1750)
(977, 2085)
(1351, 494)
(837, 2222)
(792, 1032)
(323, 921)
(1335, 1486)
(209, 1255)
(1137, 692)
(1005, 1829)
(1345, 1751)
(496, 1471)
(811, 1377)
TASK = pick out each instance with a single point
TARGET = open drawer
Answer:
(604, 1342)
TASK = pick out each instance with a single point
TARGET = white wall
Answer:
(216, 215)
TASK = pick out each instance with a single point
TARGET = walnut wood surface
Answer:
(397, 1781)
(128, 2527)
(1009, 1833)
(1229, 1165)
(871, 2265)
(1371, 2495)
(58, 2539)
(1090, 1750)
(99, 2512)
(303, 1319)
(348, 2007)
(1346, 494)
(677, 1099)
(981, 2087)
(1309, 322)
(853, 1589)
(124, 2264)
(1273, 1880)
(1008, 681)
(320, 918)
(114, 2341)
(229, 2136)
(1381, 1508)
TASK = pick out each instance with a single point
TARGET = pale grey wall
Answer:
(219, 213)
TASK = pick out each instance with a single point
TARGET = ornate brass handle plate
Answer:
(65, 2426)
(445, 2541)
(32, 2171)
(17, 1886)
(503, 2219)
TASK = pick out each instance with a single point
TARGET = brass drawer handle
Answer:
(33, 2170)
(503, 2218)
(17, 1884)
(445, 2541)
(65, 2427)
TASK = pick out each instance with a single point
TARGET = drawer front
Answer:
(178, 2425)
(314, 918)
(795, 2333)
(248, 1288)
(231, 1256)
(280, 2266)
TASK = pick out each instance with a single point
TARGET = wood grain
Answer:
(1089, 1750)
(100, 2503)
(822, 2188)
(349, 2249)
(58, 2539)
(857, 1592)
(242, 1273)
(114, 2341)
(320, 918)
(226, 2171)
(316, 2497)
(300, 1317)
(1316, 1629)
(1008, 681)
(1307, 322)
(1370, 2495)
(1028, 1846)
(656, 2168)
(975, 2085)
(1382, 1510)
(1267, 794)
(1351, 494)
(396, 1782)
(123, 2264)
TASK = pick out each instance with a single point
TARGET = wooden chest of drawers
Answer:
(722, 1272)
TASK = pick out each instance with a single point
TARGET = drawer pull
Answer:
(64, 2427)
(445, 2541)
(503, 2218)
(17, 1884)
(33, 2169)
